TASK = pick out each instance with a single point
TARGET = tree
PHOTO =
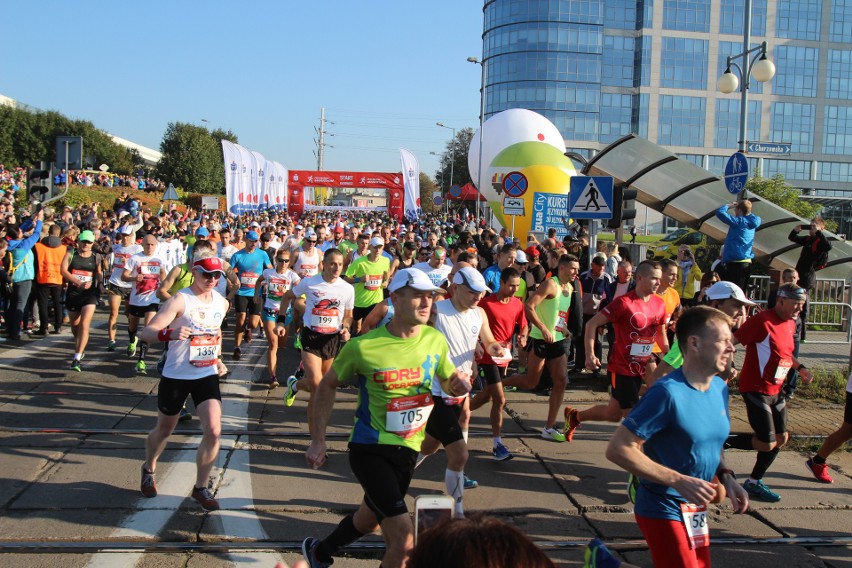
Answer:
(454, 160)
(192, 158)
(427, 186)
(776, 190)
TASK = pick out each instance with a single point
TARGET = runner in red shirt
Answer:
(505, 314)
(639, 317)
(768, 338)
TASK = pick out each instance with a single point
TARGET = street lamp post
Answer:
(759, 67)
(481, 122)
(452, 152)
(443, 191)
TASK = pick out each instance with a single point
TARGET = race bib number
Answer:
(119, 260)
(307, 270)
(149, 283)
(149, 269)
(84, 276)
(203, 350)
(277, 288)
(641, 348)
(373, 282)
(325, 321)
(784, 366)
(249, 279)
(697, 524)
(406, 416)
(562, 323)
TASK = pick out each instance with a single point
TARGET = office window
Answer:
(686, 15)
(509, 11)
(544, 36)
(841, 21)
(835, 171)
(576, 125)
(799, 19)
(727, 49)
(684, 63)
(796, 71)
(616, 113)
(640, 114)
(643, 62)
(695, 159)
(790, 169)
(544, 66)
(794, 123)
(731, 17)
(837, 130)
(623, 15)
(617, 61)
(727, 125)
(838, 76)
(681, 121)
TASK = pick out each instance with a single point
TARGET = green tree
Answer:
(192, 158)
(784, 195)
(427, 186)
(454, 161)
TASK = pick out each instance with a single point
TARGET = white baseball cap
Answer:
(471, 277)
(413, 278)
(723, 290)
(377, 242)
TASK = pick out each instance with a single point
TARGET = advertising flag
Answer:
(411, 183)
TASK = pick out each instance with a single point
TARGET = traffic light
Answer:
(39, 183)
(620, 201)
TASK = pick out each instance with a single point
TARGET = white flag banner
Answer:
(411, 183)
(246, 176)
(276, 185)
(235, 175)
(260, 192)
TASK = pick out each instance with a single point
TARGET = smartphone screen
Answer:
(428, 518)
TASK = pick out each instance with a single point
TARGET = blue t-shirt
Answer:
(249, 266)
(492, 277)
(684, 430)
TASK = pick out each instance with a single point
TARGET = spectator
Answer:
(813, 257)
(738, 250)
(22, 270)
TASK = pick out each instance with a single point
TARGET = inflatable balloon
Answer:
(523, 157)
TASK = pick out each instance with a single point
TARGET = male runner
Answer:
(190, 321)
(82, 271)
(369, 274)
(639, 318)
(435, 267)
(145, 271)
(117, 289)
(394, 367)
(329, 301)
(768, 337)
(277, 281)
(505, 313)
(548, 310)
(307, 260)
(677, 456)
(505, 258)
(248, 263)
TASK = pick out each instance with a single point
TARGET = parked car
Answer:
(704, 249)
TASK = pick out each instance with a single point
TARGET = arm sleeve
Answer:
(794, 237)
(752, 331)
(651, 414)
(823, 244)
(723, 215)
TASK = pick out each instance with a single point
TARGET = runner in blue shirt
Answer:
(248, 264)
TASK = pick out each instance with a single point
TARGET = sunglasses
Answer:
(282, 259)
(211, 275)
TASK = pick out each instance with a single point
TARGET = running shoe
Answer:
(819, 470)
(632, 487)
(185, 416)
(571, 422)
(248, 335)
(204, 497)
(141, 367)
(149, 484)
(131, 347)
(272, 382)
(759, 491)
(111, 345)
(238, 353)
(290, 395)
(501, 453)
(470, 483)
(510, 389)
(552, 434)
(297, 343)
(75, 365)
(309, 553)
(598, 556)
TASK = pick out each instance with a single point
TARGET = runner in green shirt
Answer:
(369, 275)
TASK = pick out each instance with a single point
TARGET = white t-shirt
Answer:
(462, 332)
(307, 265)
(144, 293)
(438, 276)
(228, 252)
(277, 284)
(118, 259)
(325, 303)
(171, 253)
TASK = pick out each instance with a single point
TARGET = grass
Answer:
(829, 385)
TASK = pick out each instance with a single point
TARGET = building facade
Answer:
(601, 69)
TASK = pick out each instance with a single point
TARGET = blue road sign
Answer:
(590, 197)
(736, 173)
(776, 148)
(515, 184)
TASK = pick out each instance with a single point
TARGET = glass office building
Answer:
(600, 69)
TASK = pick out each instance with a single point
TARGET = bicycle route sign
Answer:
(736, 173)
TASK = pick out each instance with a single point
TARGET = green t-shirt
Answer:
(345, 246)
(368, 289)
(553, 313)
(394, 378)
(674, 357)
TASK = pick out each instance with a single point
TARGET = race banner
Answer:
(411, 177)
(277, 185)
(236, 175)
(395, 204)
(369, 180)
(260, 194)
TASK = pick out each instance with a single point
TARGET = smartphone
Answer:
(430, 511)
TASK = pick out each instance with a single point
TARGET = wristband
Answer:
(281, 319)
(730, 472)
(165, 334)
(800, 367)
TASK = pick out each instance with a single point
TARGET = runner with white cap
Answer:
(117, 289)
(145, 271)
(369, 274)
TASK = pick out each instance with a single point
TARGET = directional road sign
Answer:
(513, 206)
(736, 173)
(590, 197)
(776, 148)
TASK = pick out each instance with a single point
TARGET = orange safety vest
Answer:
(49, 261)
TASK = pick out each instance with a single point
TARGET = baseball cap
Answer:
(532, 251)
(377, 242)
(339, 230)
(202, 232)
(792, 292)
(88, 236)
(209, 264)
(413, 278)
(521, 258)
(126, 230)
(123, 213)
(470, 277)
(251, 236)
(254, 224)
(299, 227)
(723, 290)
(310, 234)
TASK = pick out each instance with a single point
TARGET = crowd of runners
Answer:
(420, 315)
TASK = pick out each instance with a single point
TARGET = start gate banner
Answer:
(369, 180)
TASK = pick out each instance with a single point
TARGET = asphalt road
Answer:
(71, 445)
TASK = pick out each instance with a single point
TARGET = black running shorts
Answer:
(491, 374)
(141, 311)
(323, 345)
(246, 305)
(75, 302)
(361, 313)
(625, 389)
(767, 415)
(172, 393)
(385, 473)
(443, 423)
(543, 350)
(114, 290)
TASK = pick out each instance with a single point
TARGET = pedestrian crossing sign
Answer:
(590, 197)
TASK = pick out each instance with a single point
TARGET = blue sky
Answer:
(385, 71)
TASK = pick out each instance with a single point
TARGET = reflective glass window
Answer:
(644, 62)
(798, 19)
(837, 130)
(790, 169)
(616, 115)
(835, 171)
(794, 123)
(731, 17)
(681, 121)
(623, 15)
(545, 66)
(841, 21)
(617, 61)
(684, 63)
(727, 125)
(508, 11)
(696, 159)
(727, 49)
(686, 15)
(544, 36)
(838, 76)
(796, 71)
